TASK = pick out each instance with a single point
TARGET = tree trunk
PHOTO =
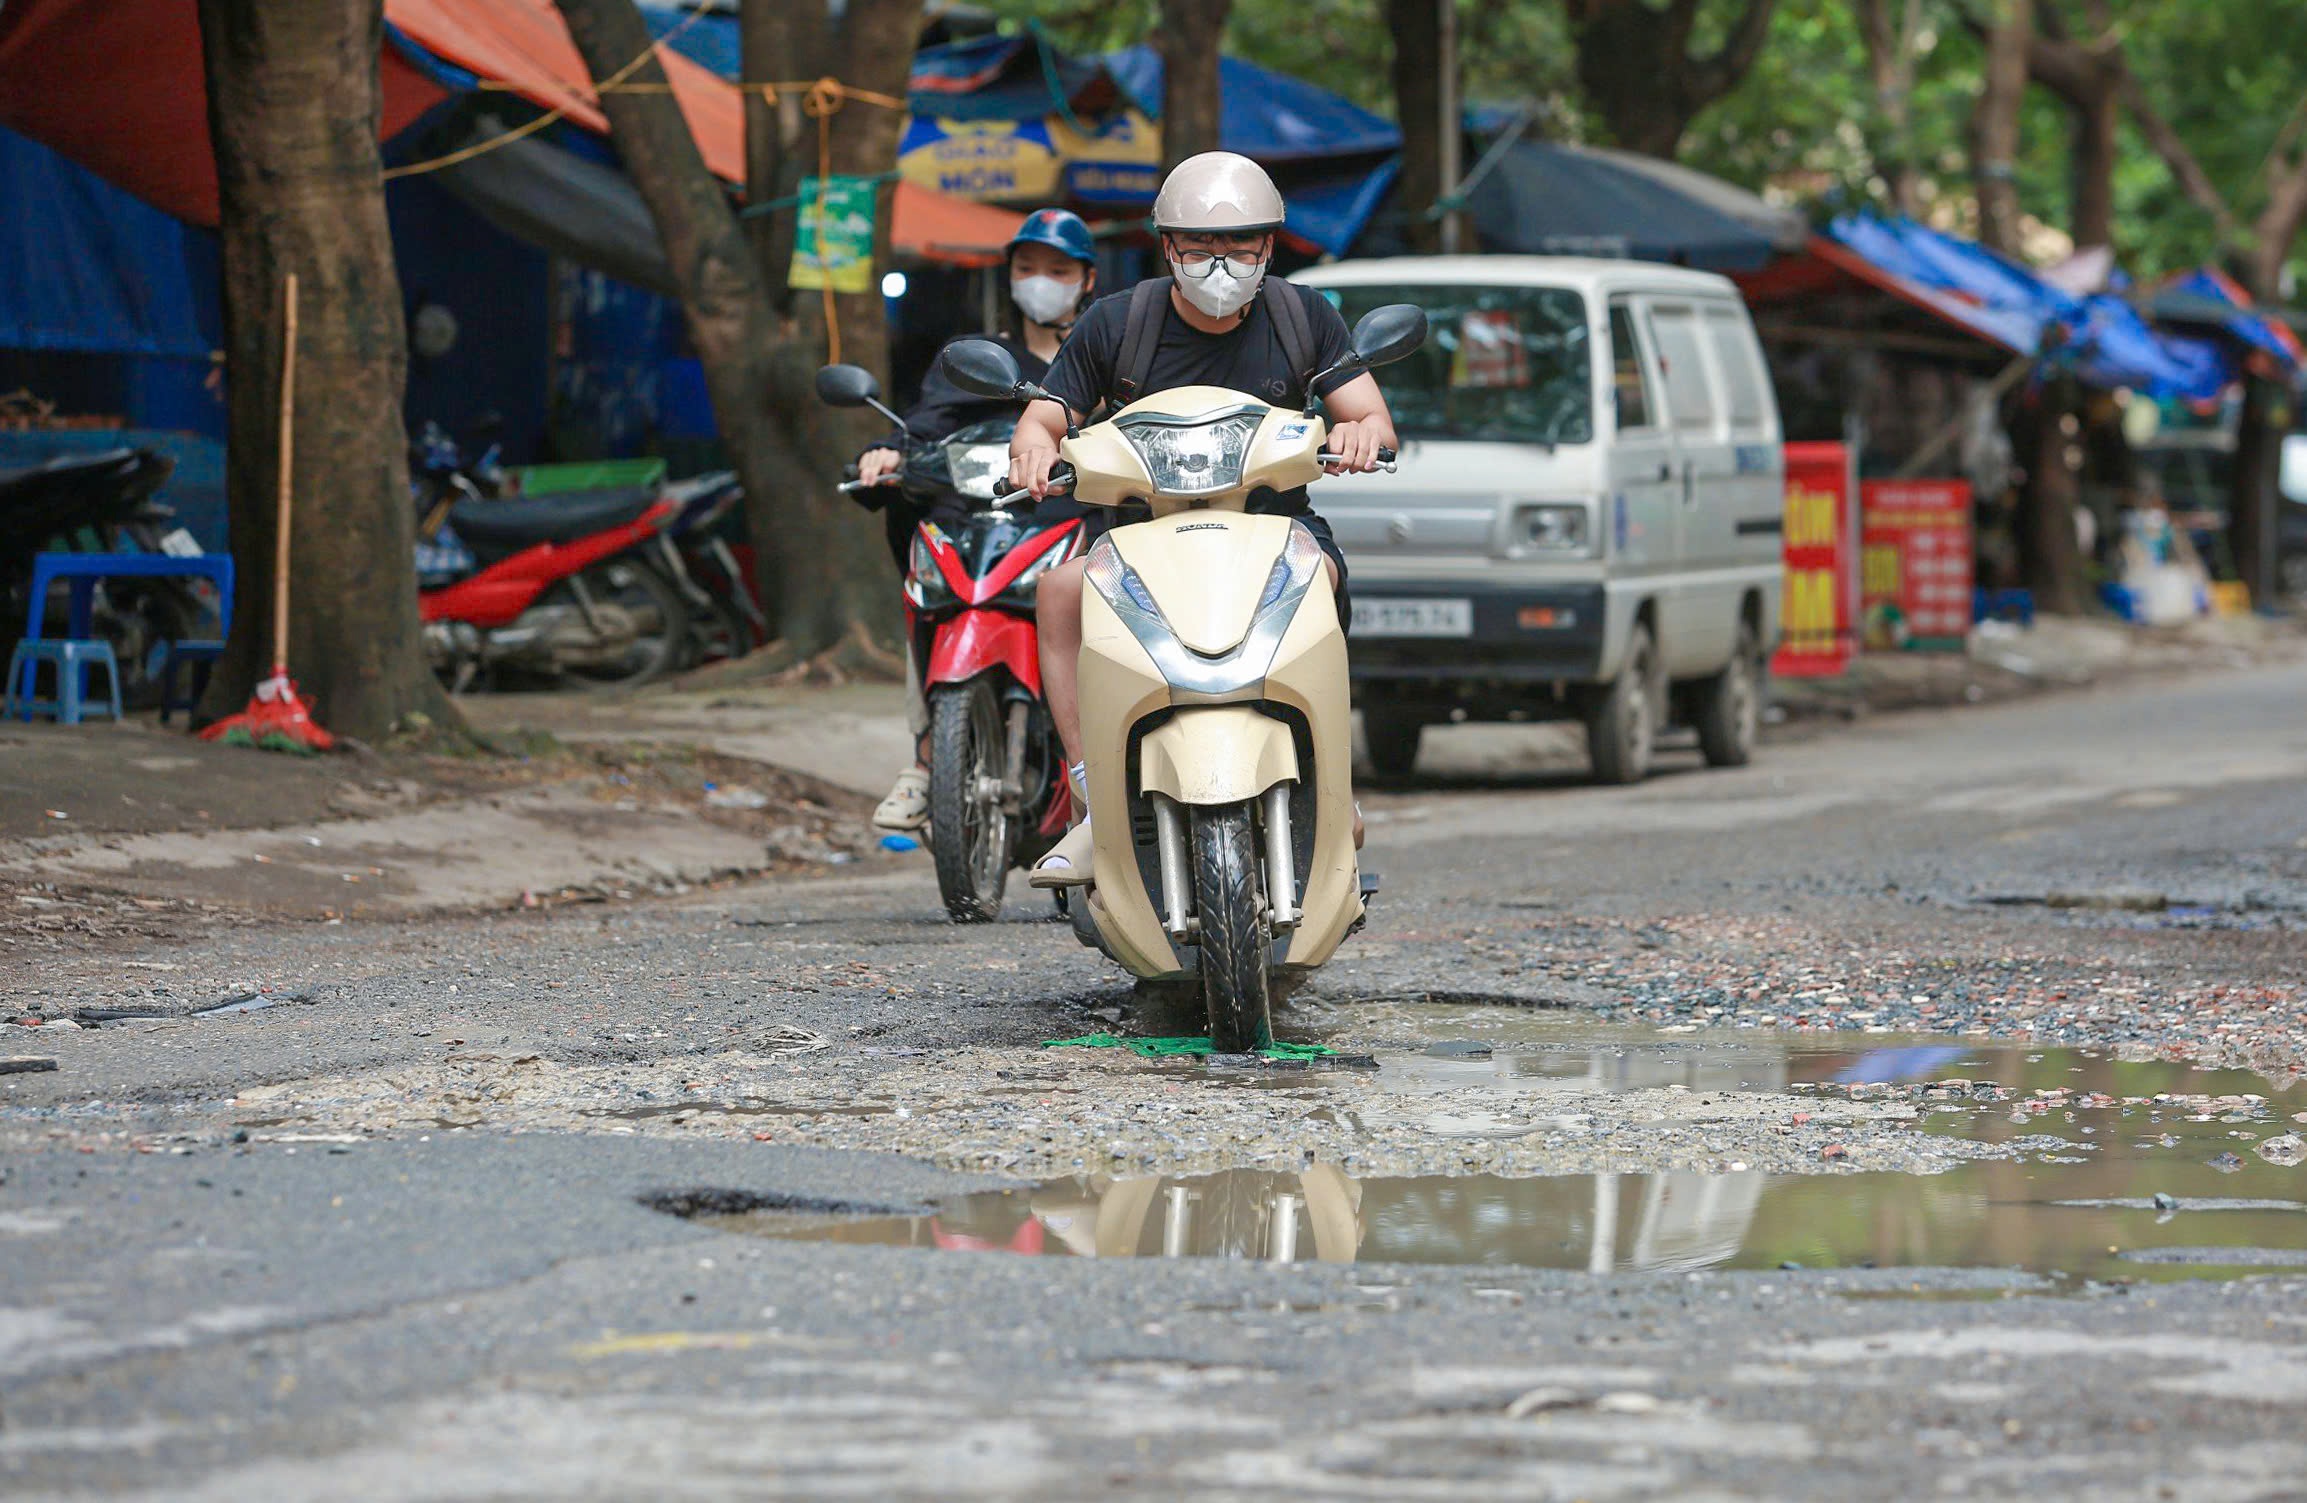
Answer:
(293, 105)
(2049, 552)
(1193, 35)
(2255, 506)
(1417, 29)
(1635, 67)
(1995, 125)
(1890, 55)
(809, 541)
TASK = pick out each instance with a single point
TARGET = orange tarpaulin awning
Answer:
(116, 86)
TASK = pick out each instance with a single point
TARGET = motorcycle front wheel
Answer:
(970, 834)
(1236, 933)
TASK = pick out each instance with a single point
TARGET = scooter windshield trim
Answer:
(1192, 677)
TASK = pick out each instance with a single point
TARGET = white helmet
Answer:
(1217, 191)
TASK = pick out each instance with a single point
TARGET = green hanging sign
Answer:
(834, 246)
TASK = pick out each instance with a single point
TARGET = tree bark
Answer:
(293, 106)
(811, 545)
(1417, 67)
(774, 47)
(1193, 36)
(2049, 552)
(1995, 125)
(1890, 56)
(2255, 507)
(2089, 76)
(1635, 67)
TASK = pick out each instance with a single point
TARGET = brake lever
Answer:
(1385, 461)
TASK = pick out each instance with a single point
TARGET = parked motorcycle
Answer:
(1214, 699)
(558, 584)
(725, 620)
(102, 502)
(997, 790)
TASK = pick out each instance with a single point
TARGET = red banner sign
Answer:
(1816, 619)
(1915, 591)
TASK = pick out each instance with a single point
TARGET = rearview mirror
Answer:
(1387, 334)
(983, 368)
(846, 386)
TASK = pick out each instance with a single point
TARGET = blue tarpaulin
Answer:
(1263, 114)
(88, 268)
(2102, 339)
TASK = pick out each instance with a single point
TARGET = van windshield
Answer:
(1507, 364)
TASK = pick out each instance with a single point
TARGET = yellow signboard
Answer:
(990, 161)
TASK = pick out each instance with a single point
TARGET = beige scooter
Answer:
(1214, 699)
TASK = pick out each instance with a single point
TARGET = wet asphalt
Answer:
(348, 1246)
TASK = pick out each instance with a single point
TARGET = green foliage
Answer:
(1806, 122)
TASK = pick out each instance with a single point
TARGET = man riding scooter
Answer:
(1217, 321)
(1052, 277)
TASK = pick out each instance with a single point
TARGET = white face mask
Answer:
(1045, 300)
(1218, 288)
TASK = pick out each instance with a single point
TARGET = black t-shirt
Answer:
(1247, 358)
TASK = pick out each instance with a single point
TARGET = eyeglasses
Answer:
(1201, 250)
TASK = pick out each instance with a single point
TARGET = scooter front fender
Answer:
(1222, 754)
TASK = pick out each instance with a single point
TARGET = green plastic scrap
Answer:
(1174, 1048)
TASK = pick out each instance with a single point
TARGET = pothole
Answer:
(2111, 1170)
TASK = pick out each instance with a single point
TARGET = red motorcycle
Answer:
(997, 790)
(557, 584)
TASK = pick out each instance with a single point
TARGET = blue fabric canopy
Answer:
(2101, 339)
(2211, 298)
(85, 266)
(1546, 199)
(1263, 114)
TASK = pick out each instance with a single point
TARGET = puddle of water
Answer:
(737, 1109)
(2129, 1171)
(254, 1002)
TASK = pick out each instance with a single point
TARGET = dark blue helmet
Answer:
(1060, 229)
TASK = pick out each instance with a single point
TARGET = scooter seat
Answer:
(498, 526)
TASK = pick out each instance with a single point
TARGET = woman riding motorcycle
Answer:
(1052, 277)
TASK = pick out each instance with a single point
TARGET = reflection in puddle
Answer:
(2131, 1171)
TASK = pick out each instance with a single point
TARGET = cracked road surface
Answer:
(407, 1232)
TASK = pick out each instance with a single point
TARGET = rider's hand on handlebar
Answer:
(1356, 445)
(1029, 467)
(877, 465)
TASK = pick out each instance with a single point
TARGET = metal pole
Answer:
(1451, 127)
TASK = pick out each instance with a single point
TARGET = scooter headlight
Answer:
(925, 582)
(978, 471)
(1118, 583)
(1021, 589)
(1199, 456)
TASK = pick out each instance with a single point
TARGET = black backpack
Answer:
(1149, 303)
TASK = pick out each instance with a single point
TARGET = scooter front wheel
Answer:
(970, 833)
(1236, 937)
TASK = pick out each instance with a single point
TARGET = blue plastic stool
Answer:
(73, 658)
(201, 656)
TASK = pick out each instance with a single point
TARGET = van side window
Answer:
(1689, 397)
(1742, 378)
(1627, 376)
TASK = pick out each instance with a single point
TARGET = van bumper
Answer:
(1520, 633)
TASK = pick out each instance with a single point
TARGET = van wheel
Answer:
(1727, 708)
(1393, 737)
(1621, 725)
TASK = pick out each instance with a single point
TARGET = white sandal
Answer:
(907, 807)
(1068, 862)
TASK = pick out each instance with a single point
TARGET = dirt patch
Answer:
(130, 832)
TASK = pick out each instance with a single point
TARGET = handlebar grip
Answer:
(1386, 455)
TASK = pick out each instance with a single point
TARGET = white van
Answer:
(1586, 521)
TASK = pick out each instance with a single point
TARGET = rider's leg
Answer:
(907, 806)
(1057, 617)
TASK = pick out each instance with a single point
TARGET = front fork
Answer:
(1177, 884)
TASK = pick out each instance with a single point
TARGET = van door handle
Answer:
(1665, 470)
(1689, 481)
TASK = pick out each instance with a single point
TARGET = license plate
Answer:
(1413, 618)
